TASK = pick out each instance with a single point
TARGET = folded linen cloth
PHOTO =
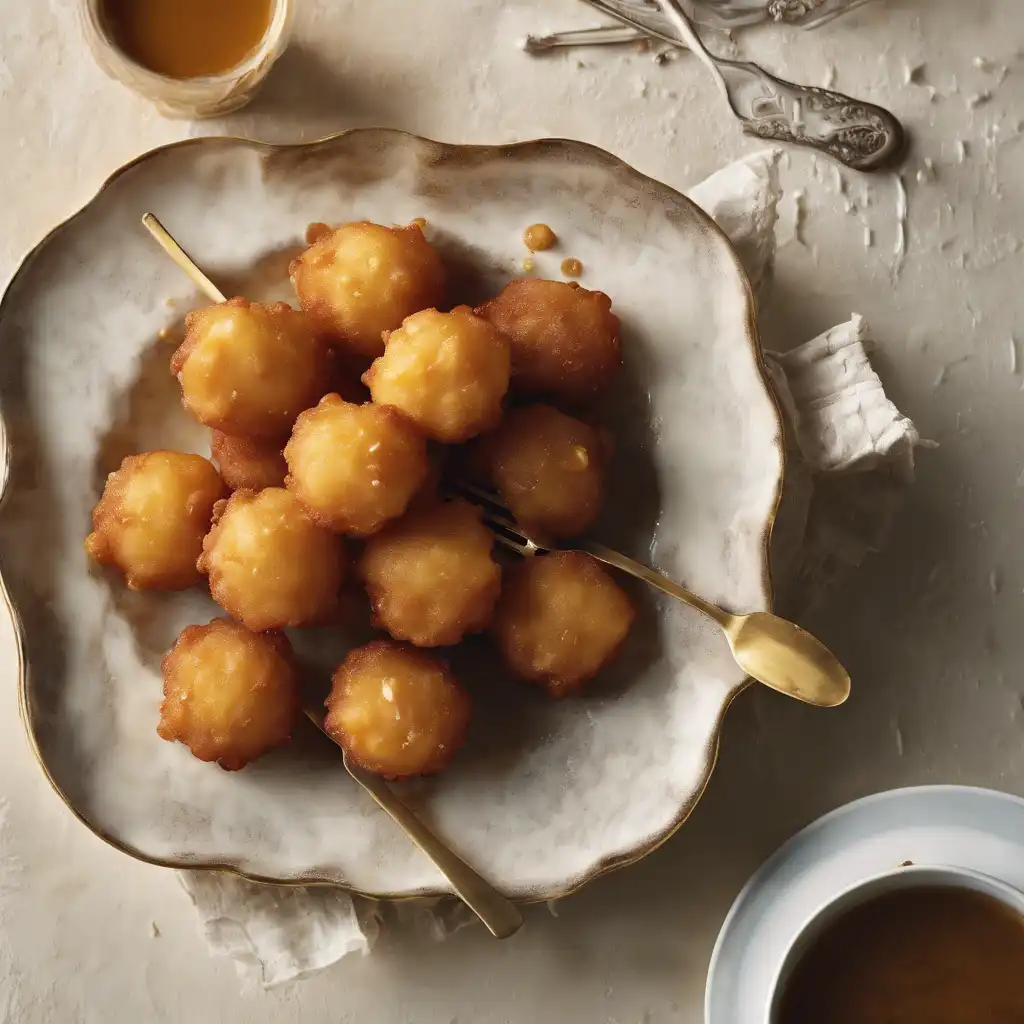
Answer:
(851, 457)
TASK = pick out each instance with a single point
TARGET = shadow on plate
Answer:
(27, 561)
(149, 415)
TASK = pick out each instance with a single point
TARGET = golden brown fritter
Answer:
(548, 469)
(355, 466)
(396, 710)
(270, 564)
(448, 372)
(249, 463)
(560, 620)
(565, 339)
(249, 369)
(363, 279)
(431, 576)
(230, 695)
(150, 522)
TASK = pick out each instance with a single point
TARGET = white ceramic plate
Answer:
(546, 795)
(978, 829)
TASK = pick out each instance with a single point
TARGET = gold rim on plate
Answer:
(602, 867)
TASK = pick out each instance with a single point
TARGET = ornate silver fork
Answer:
(861, 135)
(730, 14)
(769, 649)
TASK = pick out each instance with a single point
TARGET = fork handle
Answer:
(861, 135)
(501, 916)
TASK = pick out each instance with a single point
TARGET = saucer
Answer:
(979, 829)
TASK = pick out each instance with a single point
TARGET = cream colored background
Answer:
(931, 631)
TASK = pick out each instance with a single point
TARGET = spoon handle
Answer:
(861, 135)
(501, 917)
(655, 579)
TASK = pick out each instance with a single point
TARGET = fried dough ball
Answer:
(152, 517)
(249, 369)
(355, 466)
(230, 695)
(430, 575)
(249, 463)
(560, 620)
(363, 279)
(565, 339)
(448, 372)
(270, 564)
(396, 710)
(548, 469)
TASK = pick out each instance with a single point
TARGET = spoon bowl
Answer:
(771, 650)
(785, 657)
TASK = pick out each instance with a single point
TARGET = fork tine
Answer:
(503, 538)
(495, 517)
(496, 514)
(508, 524)
(508, 533)
(472, 490)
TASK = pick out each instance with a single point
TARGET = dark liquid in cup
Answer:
(916, 956)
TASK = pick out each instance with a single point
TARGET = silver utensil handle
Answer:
(861, 135)
(731, 14)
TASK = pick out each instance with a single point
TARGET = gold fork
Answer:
(499, 915)
(768, 648)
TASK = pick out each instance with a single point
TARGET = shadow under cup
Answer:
(899, 880)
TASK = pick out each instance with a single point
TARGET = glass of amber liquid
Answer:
(192, 58)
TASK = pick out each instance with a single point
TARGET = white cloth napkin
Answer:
(851, 456)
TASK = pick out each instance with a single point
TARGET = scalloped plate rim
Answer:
(603, 865)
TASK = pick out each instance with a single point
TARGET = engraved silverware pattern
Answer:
(729, 14)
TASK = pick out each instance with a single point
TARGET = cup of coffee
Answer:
(910, 945)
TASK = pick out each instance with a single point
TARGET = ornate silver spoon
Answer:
(859, 134)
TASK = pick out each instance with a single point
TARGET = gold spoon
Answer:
(770, 649)
(500, 916)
